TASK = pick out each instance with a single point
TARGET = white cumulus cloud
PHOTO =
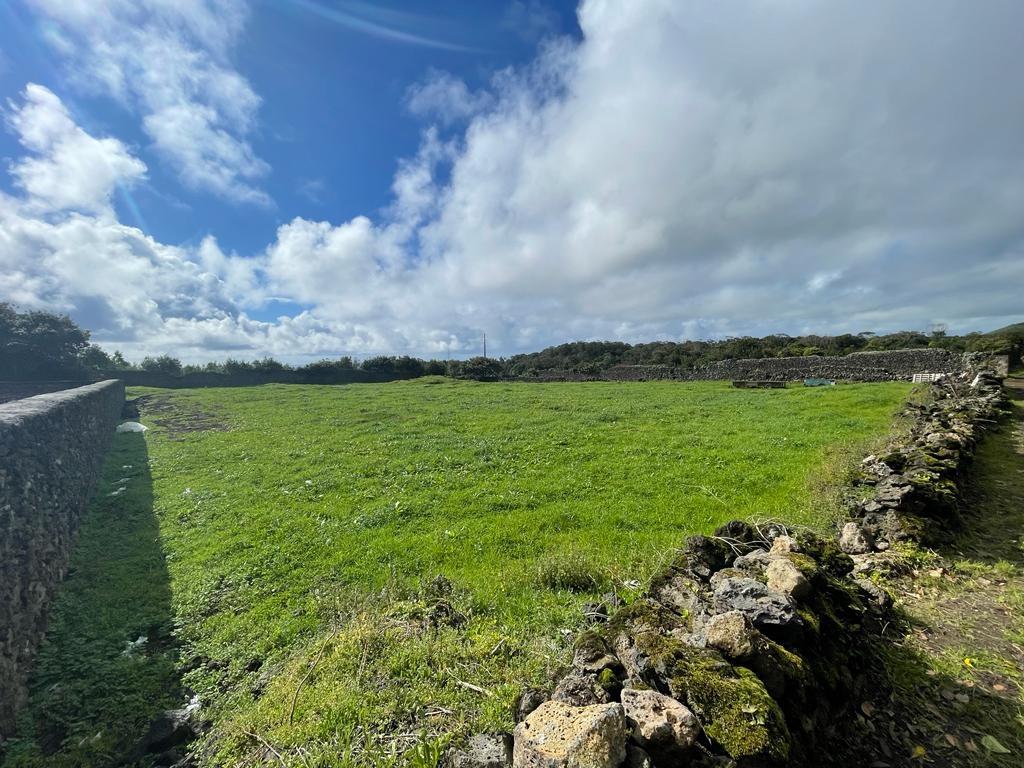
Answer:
(685, 169)
(170, 61)
(69, 169)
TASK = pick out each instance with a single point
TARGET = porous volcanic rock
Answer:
(559, 735)
(660, 724)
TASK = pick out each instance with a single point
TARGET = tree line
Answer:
(38, 345)
(595, 356)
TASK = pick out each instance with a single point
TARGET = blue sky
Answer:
(333, 121)
(310, 178)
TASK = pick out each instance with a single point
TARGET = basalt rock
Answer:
(783, 576)
(526, 702)
(854, 540)
(580, 691)
(769, 611)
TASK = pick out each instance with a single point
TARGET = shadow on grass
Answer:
(108, 663)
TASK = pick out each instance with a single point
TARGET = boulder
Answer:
(783, 576)
(592, 654)
(579, 691)
(784, 544)
(753, 563)
(676, 590)
(733, 706)
(660, 724)
(526, 702)
(893, 491)
(558, 735)
(727, 573)
(485, 750)
(731, 633)
(766, 609)
(780, 670)
(701, 556)
(854, 540)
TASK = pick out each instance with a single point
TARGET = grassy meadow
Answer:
(296, 533)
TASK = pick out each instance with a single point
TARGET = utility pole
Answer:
(485, 345)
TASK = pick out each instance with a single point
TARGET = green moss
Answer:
(792, 665)
(810, 619)
(826, 551)
(641, 616)
(592, 643)
(733, 705)
(804, 564)
(607, 680)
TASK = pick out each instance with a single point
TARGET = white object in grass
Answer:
(131, 426)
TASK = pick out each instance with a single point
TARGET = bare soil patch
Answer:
(177, 416)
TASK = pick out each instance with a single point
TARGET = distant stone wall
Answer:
(16, 390)
(52, 448)
(891, 365)
(255, 378)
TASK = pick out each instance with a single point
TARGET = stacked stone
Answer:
(915, 485)
(752, 648)
(51, 453)
(744, 651)
(889, 365)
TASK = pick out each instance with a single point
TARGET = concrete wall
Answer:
(52, 448)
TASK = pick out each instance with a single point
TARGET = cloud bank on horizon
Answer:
(684, 170)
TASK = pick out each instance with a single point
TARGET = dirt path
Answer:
(959, 669)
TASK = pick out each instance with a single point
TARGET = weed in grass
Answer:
(572, 572)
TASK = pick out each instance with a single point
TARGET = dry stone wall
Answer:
(754, 646)
(51, 453)
(890, 365)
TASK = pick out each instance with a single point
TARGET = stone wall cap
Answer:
(17, 411)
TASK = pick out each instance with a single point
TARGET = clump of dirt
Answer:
(177, 417)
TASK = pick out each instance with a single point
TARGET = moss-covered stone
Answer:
(610, 682)
(895, 460)
(805, 564)
(736, 573)
(641, 616)
(826, 552)
(733, 706)
(590, 644)
(701, 556)
(811, 620)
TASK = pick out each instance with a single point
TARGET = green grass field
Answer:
(290, 536)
